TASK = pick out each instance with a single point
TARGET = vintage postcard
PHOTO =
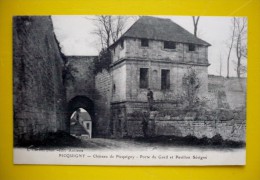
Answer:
(129, 90)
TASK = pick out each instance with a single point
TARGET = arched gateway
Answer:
(81, 102)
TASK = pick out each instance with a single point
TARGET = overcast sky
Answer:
(76, 38)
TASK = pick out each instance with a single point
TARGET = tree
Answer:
(195, 24)
(220, 64)
(191, 84)
(109, 28)
(103, 61)
(230, 46)
(240, 39)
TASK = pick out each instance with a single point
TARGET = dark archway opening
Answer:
(83, 103)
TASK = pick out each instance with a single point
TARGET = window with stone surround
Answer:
(165, 79)
(144, 42)
(169, 45)
(144, 78)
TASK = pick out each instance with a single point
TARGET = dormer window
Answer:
(191, 47)
(144, 43)
(169, 45)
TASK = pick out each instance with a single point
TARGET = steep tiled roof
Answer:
(161, 29)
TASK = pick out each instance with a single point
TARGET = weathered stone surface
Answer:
(39, 94)
(82, 82)
(132, 49)
(103, 85)
(226, 92)
(230, 129)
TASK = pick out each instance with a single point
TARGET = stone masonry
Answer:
(39, 94)
(103, 83)
(84, 83)
(142, 55)
(81, 80)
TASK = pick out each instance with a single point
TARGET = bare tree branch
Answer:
(220, 64)
(109, 28)
(240, 44)
(195, 24)
(230, 46)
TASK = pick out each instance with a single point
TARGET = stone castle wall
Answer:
(39, 94)
(230, 91)
(97, 87)
(81, 80)
(103, 84)
(119, 83)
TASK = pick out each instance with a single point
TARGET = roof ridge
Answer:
(130, 27)
(162, 29)
(187, 30)
(124, 33)
(157, 18)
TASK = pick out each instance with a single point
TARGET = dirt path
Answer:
(131, 144)
(115, 143)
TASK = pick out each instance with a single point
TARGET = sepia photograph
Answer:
(129, 90)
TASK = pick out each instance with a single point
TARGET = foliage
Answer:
(191, 84)
(103, 61)
(67, 73)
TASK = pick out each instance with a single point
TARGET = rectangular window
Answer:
(122, 44)
(165, 79)
(169, 45)
(144, 43)
(144, 77)
(191, 47)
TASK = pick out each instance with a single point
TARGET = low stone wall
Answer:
(229, 124)
(125, 116)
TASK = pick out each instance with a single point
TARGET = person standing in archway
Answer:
(77, 115)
